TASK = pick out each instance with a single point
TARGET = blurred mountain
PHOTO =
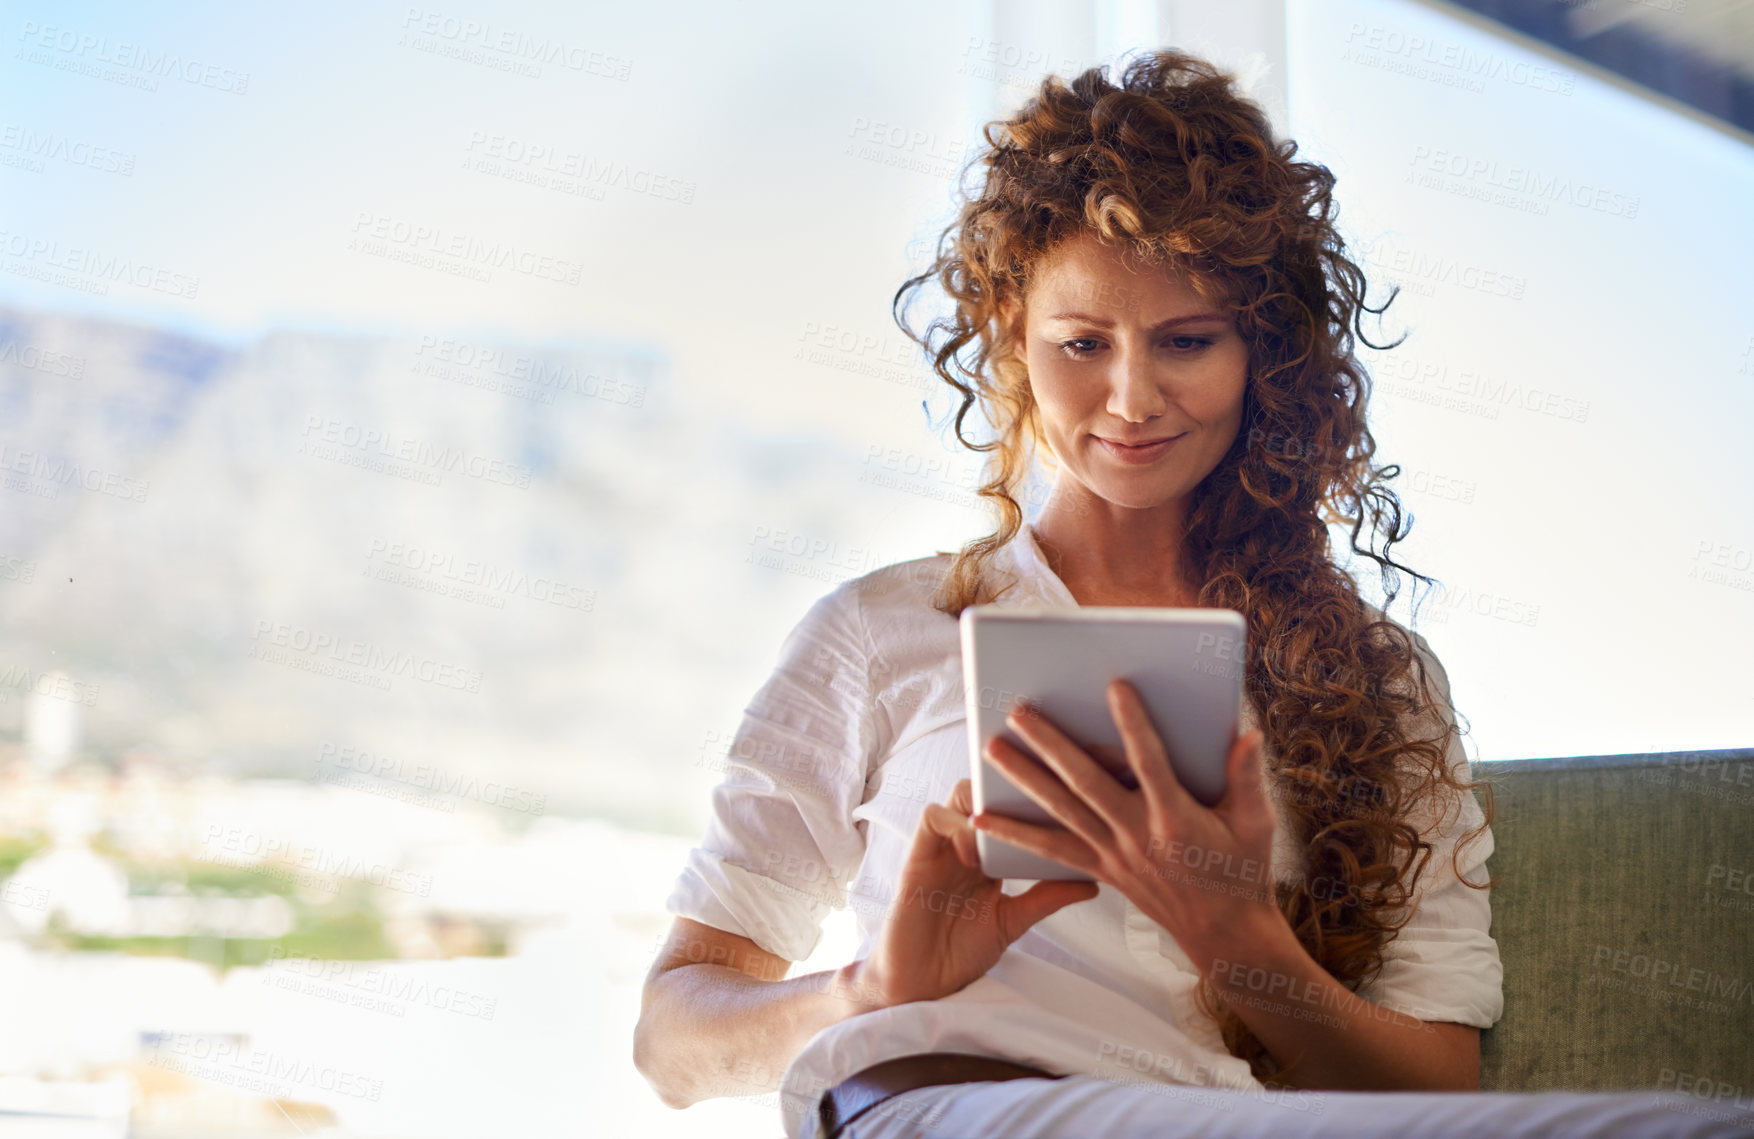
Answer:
(464, 562)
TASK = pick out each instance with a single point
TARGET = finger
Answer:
(966, 840)
(1040, 783)
(962, 797)
(962, 802)
(948, 821)
(1017, 912)
(1245, 793)
(1066, 849)
(967, 852)
(1103, 798)
(936, 831)
(1164, 793)
(942, 822)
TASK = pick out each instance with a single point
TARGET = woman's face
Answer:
(1119, 353)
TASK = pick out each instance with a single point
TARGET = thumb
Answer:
(1246, 792)
(1017, 912)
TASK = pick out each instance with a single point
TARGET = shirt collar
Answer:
(1035, 582)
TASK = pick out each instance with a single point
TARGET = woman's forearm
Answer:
(711, 1030)
(1327, 1036)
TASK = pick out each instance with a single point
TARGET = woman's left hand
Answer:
(1202, 873)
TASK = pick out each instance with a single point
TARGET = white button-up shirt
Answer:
(861, 725)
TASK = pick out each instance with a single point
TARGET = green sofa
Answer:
(1623, 907)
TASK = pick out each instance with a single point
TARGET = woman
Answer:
(1152, 300)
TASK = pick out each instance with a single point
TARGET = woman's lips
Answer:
(1138, 455)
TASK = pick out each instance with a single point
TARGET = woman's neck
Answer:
(1123, 572)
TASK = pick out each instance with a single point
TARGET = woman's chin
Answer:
(1139, 494)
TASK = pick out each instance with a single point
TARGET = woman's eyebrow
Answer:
(1103, 322)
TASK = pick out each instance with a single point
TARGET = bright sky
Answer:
(764, 181)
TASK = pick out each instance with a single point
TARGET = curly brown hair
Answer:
(1176, 166)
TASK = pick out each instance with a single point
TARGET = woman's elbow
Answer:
(650, 1060)
(1458, 1056)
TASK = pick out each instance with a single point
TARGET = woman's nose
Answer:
(1134, 386)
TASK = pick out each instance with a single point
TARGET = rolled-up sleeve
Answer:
(781, 843)
(1443, 965)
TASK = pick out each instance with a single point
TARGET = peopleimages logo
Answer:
(522, 51)
(377, 233)
(374, 448)
(1465, 63)
(44, 360)
(63, 471)
(527, 376)
(36, 147)
(335, 761)
(51, 684)
(1423, 271)
(96, 267)
(371, 987)
(235, 846)
(84, 50)
(1537, 184)
(281, 643)
(1674, 975)
(226, 1060)
(478, 575)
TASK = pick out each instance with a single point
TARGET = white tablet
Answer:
(1186, 663)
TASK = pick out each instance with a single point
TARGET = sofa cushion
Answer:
(1623, 907)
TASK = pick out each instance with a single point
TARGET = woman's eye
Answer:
(1077, 349)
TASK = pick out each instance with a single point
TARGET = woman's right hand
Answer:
(949, 923)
